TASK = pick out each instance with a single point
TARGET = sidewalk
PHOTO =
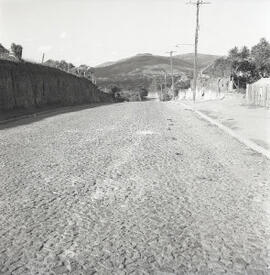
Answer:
(250, 122)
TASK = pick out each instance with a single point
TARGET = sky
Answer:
(96, 31)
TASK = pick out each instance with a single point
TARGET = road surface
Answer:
(131, 188)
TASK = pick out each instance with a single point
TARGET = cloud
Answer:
(63, 35)
(44, 48)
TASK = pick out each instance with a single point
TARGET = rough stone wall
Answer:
(213, 84)
(28, 85)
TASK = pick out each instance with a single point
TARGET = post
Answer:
(268, 96)
(196, 51)
(172, 72)
(247, 94)
(43, 56)
(171, 63)
(198, 3)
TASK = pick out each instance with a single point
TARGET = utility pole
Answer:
(43, 56)
(198, 4)
(171, 61)
(165, 78)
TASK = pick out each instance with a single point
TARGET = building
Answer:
(258, 93)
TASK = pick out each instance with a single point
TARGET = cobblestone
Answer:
(131, 188)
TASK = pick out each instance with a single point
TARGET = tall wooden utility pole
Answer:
(171, 61)
(198, 3)
(165, 78)
(43, 56)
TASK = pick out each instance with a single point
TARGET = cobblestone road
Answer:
(131, 188)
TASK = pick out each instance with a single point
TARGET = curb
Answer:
(252, 145)
(18, 118)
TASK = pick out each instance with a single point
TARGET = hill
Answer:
(105, 64)
(142, 68)
(203, 59)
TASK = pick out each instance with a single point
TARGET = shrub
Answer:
(165, 95)
(17, 50)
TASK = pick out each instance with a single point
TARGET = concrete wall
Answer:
(28, 85)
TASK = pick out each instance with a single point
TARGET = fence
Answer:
(258, 95)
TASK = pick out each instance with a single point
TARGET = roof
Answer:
(262, 82)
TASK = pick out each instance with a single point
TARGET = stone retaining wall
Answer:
(26, 85)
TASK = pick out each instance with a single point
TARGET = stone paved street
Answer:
(131, 188)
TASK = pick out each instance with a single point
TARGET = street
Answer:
(131, 188)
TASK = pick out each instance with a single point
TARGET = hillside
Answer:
(143, 67)
(105, 64)
(204, 60)
(142, 64)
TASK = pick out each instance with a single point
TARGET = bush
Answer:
(165, 95)
(17, 50)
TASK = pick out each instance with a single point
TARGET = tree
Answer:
(245, 72)
(243, 67)
(52, 63)
(63, 65)
(234, 54)
(115, 90)
(17, 50)
(182, 84)
(70, 67)
(244, 53)
(221, 67)
(141, 90)
(85, 71)
(261, 54)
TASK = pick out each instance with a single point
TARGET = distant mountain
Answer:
(142, 68)
(204, 60)
(105, 64)
(109, 63)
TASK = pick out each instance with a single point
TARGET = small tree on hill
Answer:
(17, 50)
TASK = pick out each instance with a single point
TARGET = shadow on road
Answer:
(37, 115)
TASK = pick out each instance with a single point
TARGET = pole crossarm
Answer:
(171, 52)
(199, 2)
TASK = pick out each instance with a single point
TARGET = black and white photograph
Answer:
(134, 137)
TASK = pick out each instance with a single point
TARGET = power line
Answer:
(198, 3)
(181, 44)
